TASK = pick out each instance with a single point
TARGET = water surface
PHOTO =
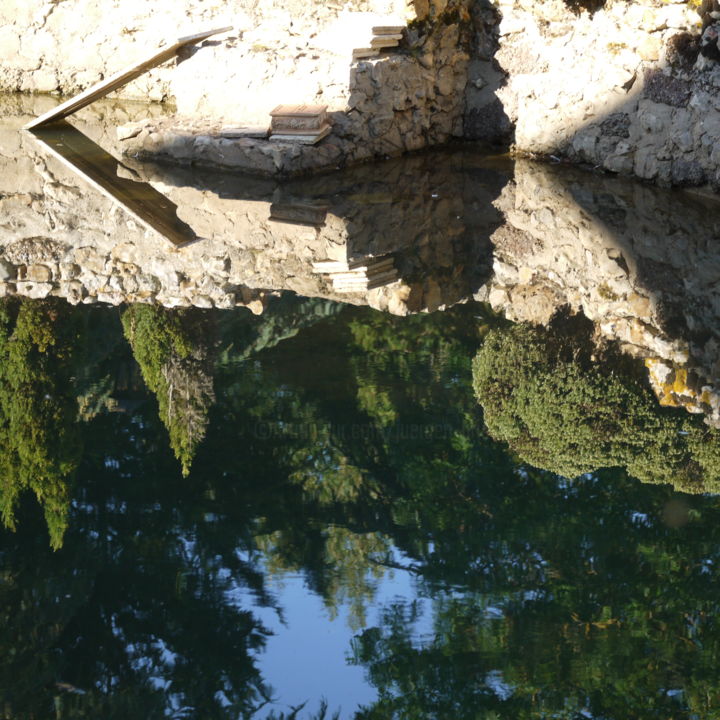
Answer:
(356, 509)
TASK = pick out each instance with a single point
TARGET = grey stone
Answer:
(489, 123)
(8, 271)
(665, 89)
(687, 173)
(617, 124)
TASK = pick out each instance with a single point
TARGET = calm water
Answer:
(327, 510)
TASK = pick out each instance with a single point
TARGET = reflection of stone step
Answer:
(358, 275)
(346, 284)
(366, 266)
(298, 214)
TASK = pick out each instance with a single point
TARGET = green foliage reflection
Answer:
(351, 451)
(38, 436)
(561, 410)
(172, 349)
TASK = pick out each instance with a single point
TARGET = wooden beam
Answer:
(141, 200)
(104, 87)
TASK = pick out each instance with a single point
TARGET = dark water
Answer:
(347, 531)
(330, 511)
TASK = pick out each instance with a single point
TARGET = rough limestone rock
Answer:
(408, 98)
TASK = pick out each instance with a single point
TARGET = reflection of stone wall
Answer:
(642, 264)
(61, 237)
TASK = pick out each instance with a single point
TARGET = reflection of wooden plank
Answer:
(119, 79)
(100, 169)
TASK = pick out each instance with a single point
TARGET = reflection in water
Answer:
(565, 405)
(432, 215)
(40, 442)
(173, 351)
(350, 451)
(642, 264)
(187, 460)
(102, 171)
(639, 262)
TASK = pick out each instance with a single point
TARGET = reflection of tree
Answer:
(560, 595)
(136, 616)
(560, 410)
(173, 351)
(573, 600)
(536, 597)
(346, 449)
(346, 573)
(38, 436)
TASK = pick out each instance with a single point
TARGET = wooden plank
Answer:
(141, 200)
(123, 77)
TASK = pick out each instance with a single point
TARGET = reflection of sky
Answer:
(308, 656)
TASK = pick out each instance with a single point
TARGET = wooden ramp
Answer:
(104, 87)
(100, 169)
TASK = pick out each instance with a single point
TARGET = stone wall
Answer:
(625, 88)
(294, 51)
(67, 45)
